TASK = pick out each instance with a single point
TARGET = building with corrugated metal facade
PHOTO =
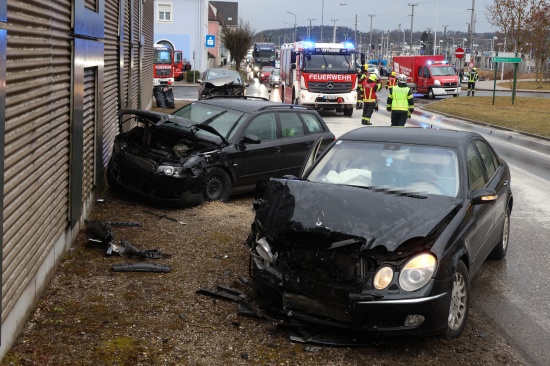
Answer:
(66, 68)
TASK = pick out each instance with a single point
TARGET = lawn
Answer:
(530, 115)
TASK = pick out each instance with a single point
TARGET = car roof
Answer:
(411, 135)
(249, 105)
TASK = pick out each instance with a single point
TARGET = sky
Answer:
(433, 14)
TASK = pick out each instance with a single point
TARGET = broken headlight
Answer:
(169, 170)
(383, 278)
(264, 250)
(417, 272)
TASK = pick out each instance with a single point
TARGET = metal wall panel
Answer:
(89, 130)
(36, 154)
(146, 78)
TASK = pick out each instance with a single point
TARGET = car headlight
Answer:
(256, 68)
(264, 250)
(437, 83)
(417, 272)
(383, 278)
(168, 170)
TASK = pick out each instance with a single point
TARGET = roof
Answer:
(410, 135)
(229, 11)
(247, 105)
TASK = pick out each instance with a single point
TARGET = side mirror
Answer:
(484, 195)
(250, 139)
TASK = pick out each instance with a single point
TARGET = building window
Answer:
(164, 12)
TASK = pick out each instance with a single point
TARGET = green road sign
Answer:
(507, 59)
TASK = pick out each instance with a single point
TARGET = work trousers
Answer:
(471, 87)
(398, 118)
(368, 109)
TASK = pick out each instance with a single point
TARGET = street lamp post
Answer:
(290, 27)
(309, 29)
(288, 12)
(412, 18)
(334, 31)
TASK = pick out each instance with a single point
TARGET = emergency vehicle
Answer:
(319, 75)
(167, 66)
(429, 75)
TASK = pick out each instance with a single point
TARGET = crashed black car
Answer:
(210, 149)
(384, 232)
(221, 82)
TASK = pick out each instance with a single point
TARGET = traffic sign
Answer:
(471, 65)
(459, 52)
(507, 59)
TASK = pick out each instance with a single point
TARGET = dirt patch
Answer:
(91, 315)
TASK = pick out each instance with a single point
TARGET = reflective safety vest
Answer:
(473, 76)
(400, 98)
(392, 81)
(369, 91)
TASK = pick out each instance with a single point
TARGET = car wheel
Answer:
(348, 112)
(499, 252)
(217, 185)
(460, 302)
(431, 94)
(455, 95)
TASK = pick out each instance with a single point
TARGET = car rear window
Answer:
(312, 123)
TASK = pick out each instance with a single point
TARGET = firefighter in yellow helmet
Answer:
(361, 77)
(400, 102)
(473, 76)
(370, 86)
(390, 83)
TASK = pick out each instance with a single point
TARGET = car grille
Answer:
(323, 87)
(450, 84)
(163, 72)
(310, 306)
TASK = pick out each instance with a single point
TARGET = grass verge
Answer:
(527, 114)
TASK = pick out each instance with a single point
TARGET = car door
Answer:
(252, 162)
(483, 214)
(295, 142)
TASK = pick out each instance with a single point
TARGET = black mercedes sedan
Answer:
(383, 232)
(210, 149)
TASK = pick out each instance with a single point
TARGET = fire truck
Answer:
(319, 75)
(167, 66)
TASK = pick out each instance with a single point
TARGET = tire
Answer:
(348, 112)
(431, 94)
(499, 252)
(455, 95)
(217, 185)
(460, 302)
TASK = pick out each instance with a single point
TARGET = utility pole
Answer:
(412, 18)
(334, 31)
(355, 34)
(472, 29)
(309, 29)
(370, 32)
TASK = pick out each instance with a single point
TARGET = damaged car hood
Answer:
(158, 118)
(219, 81)
(379, 217)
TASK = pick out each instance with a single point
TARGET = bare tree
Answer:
(540, 35)
(237, 40)
(512, 17)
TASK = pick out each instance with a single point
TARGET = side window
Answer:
(291, 124)
(312, 123)
(421, 71)
(476, 177)
(264, 126)
(488, 157)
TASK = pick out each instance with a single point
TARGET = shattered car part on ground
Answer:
(140, 267)
(210, 149)
(382, 233)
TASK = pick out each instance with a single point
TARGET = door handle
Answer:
(277, 149)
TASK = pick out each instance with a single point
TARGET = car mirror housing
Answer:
(250, 139)
(484, 195)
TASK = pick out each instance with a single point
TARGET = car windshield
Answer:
(394, 166)
(267, 69)
(443, 71)
(328, 62)
(276, 72)
(225, 121)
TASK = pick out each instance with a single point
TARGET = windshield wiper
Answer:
(398, 192)
(207, 121)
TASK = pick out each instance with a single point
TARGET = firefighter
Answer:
(473, 76)
(390, 83)
(400, 102)
(370, 86)
(361, 77)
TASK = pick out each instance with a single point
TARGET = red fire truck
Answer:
(168, 66)
(319, 75)
(429, 75)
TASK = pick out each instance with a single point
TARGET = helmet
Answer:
(373, 77)
(402, 79)
(393, 73)
(474, 69)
